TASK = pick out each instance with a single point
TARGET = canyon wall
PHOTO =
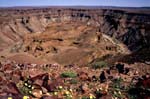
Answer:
(131, 28)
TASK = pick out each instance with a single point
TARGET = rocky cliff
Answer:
(130, 28)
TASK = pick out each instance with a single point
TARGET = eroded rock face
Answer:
(132, 28)
(73, 35)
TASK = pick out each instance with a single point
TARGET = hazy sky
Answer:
(131, 3)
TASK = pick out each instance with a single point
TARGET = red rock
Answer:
(12, 88)
(37, 93)
(146, 83)
(44, 90)
(7, 67)
(83, 76)
(38, 82)
(54, 75)
(41, 79)
(84, 88)
(16, 78)
(35, 73)
(106, 97)
(39, 76)
(53, 85)
(3, 94)
(17, 72)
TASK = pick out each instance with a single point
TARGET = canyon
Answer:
(74, 53)
(57, 33)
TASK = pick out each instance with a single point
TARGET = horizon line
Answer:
(74, 6)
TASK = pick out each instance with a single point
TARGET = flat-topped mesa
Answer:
(129, 26)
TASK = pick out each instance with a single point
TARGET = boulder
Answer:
(84, 88)
(102, 77)
(37, 93)
(12, 88)
(83, 76)
(120, 67)
(52, 86)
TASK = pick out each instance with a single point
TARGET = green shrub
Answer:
(117, 84)
(23, 89)
(98, 65)
(73, 81)
(118, 88)
(68, 75)
(68, 98)
(84, 97)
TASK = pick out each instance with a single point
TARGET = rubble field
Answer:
(53, 81)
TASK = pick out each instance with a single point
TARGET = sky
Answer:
(122, 3)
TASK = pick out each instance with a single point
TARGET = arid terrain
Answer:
(75, 53)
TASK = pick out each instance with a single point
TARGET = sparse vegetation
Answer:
(68, 74)
(85, 97)
(73, 81)
(117, 88)
(24, 88)
(98, 65)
